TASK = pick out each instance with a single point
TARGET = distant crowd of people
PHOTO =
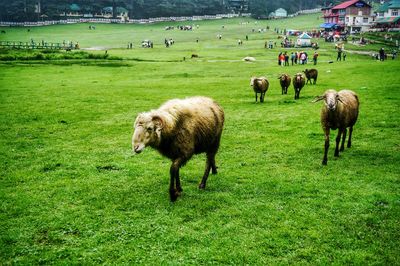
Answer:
(295, 58)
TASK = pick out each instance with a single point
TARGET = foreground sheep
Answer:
(311, 74)
(285, 81)
(339, 112)
(260, 85)
(298, 84)
(179, 129)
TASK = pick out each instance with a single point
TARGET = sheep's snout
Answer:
(138, 148)
(331, 107)
(330, 102)
(138, 143)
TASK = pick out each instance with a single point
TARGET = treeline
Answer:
(33, 10)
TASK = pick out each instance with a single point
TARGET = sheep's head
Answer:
(282, 77)
(147, 131)
(298, 77)
(331, 99)
(252, 81)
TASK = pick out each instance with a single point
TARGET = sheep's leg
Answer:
(262, 97)
(325, 159)
(256, 96)
(343, 139)
(174, 175)
(338, 142)
(213, 166)
(210, 163)
(350, 134)
(315, 81)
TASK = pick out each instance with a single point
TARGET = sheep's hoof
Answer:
(324, 162)
(202, 186)
(341, 149)
(174, 194)
(336, 154)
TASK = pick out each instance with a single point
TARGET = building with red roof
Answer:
(353, 15)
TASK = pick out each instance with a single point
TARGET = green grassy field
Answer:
(71, 191)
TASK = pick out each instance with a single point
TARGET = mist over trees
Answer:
(29, 10)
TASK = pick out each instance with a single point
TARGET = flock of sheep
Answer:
(181, 128)
(261, 84)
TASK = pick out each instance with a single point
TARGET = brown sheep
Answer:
(339, 112)
(285, 81)
(179, 129)
(260, 85)
(298, 84)
(311, 74)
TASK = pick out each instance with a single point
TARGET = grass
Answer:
(72, 193)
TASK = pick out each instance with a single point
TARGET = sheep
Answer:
(194, 56)
(339, 112)
(298, 84)
(249, 59)
(179, 129)
(311, 74)
(285, 80)
(260, 85)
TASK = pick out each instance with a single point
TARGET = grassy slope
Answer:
(71, 191)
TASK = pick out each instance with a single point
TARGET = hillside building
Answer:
(354, 16)
(238, 6)
(387, 15)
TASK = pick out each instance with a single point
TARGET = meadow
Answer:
(72, 192)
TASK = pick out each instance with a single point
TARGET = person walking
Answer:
(303, 58)
(382, 54)
(339, 55)
(315, 57)
(292, 57)
(286, 59)
(282, 59)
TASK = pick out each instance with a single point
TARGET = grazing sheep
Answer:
(194, 56)
(179, 129)
(339, 112)
(285, 80)
(249, 59)
(260, 85)
(298, 84)
(311, 74)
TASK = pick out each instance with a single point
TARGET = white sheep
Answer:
(179, 129)
(339, 112)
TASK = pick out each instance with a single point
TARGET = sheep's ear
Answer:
(158, 122)
(318, 98)
(340, 99)
(137, 121)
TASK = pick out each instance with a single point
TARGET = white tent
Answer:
(280, 12)
(304, 40)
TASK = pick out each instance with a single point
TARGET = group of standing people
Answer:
(300, 58)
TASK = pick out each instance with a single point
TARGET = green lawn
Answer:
(71, 191)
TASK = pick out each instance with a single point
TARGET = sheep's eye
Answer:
(149, 129)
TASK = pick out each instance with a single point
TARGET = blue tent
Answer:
(327, 25)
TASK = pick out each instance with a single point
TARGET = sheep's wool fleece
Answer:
(203, 110)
